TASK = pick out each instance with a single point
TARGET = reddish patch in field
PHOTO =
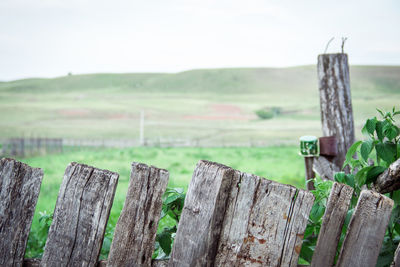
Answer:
(119, 116)
(74, 112)
(223, 108)
(216, 118)
(221, 112)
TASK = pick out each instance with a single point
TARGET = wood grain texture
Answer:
(136, 229)
(200, 224)
(310, 174)
(335, 101)
(19, 191)
(389, 180)
(324, 168)
(102, 263)
(159, 263)
(366, 230)
(80, 216)
(331, 228)
(264, 223)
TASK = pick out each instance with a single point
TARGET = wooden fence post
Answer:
(310, 174)
(204, 209)
(366, 230)
(239, 219)
(335, 100)
(80, 216)
(332, 223)
(136, 229)
(264, 223)
(19, 191)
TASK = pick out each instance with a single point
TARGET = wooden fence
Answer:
(229, 218)
(31, 146)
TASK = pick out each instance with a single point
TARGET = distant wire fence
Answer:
(23, 147)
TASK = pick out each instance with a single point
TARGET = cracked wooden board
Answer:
(332, 223)
(80, 216)
(264, 223)
(19, 192)
(199, 227)
(240, 219)
(366, 230)
(136, 229)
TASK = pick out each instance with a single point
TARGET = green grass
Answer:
(216, 106)
(281, 163)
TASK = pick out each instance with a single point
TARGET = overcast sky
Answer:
(47, 38)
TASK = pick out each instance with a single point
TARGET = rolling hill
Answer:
(209, 107)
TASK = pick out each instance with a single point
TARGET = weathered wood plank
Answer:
(80, 216)
(159, 263)
(389, 180)
(310, 174)
(366, 230)
(331, 228)
(335, 101)
(200, 224)
(324, 168)
(102, 263)
(19, 191)
(264, 223)
(136, 229)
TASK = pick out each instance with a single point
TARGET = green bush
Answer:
(264, 114)
(268, 113)
(367, 160)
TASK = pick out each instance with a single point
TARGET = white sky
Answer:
(47, 38)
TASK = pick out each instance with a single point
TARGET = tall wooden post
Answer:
(335, 100)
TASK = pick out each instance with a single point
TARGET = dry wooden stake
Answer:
(136, 229)
(19, 191)
(335, 101)
(332, 223)
(366, 230)
(80, 216)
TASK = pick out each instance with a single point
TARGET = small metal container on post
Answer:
(309, 146)
(309, 149)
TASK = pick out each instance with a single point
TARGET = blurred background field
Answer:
(214, 107)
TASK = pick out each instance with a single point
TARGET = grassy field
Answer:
(213, 107)
(281, 163)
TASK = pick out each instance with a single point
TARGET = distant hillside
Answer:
(374, 79)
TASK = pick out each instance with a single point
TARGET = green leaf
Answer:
(370, 125)
(396, 197)
(340, 177)
(317, 212)
(373, 173)
(350, 179)
(306, 253)
(386, 151)
(366, 149)
(360, 177)
(379, 130)
(380, 111)
(349, 155)
(391, 131)
(171, 199)
(309, 230)
(165, 239)
(396, 113)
